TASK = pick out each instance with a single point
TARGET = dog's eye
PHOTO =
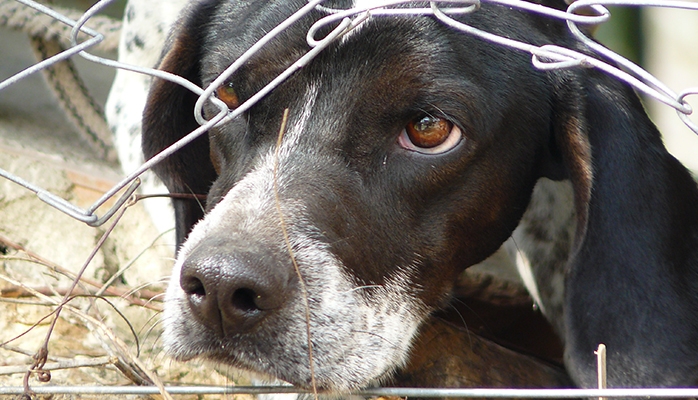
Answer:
(227, 94)
(430, 135)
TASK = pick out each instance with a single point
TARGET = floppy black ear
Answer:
(169, 116)
(636, 242)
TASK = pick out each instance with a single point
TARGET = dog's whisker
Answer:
(465, 324)
(460, 301)
(158, 296)
(163, 280)
(381, 337)
(152, 322)
(156, 322)
(195, 197)
(359, 288)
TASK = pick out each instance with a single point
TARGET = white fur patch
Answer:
(523, 265)
(543, 241)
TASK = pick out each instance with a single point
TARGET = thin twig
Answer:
(143, 296)
(284, 231)
(601, 367)
(68, 364)
(110, 291)
(41, 355)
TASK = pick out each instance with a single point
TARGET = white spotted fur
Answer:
(542, 242)
(147, 23)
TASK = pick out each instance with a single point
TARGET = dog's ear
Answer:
(637, 227)
(569, 151)
(169, 116)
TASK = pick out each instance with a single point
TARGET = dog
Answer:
(411, 152)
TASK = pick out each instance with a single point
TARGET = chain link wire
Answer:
(546, 57)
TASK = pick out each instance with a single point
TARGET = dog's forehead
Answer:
(236, 27)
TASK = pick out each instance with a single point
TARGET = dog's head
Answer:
(410, 153)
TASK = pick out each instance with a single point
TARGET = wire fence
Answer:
(112, 204)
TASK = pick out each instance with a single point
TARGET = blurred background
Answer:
(663, 41)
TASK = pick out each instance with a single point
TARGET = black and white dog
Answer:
(411, 152)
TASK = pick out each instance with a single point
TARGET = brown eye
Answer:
(430, 135)
(227, 94)
(427, 132)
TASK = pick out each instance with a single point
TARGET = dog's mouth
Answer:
(349, 350)
(229, 303)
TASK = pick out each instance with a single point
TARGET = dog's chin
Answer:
(325, 382)
(305, 382)
(333, 379)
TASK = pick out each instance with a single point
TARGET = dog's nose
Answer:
(232, 291)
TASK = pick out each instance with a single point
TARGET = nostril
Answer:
(245, 300)
(193, 286)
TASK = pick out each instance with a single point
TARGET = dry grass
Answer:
(107, 332)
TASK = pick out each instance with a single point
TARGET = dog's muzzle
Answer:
(236, 296)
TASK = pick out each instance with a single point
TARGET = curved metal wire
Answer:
(658, 393)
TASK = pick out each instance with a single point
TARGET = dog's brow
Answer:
(300, 120)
